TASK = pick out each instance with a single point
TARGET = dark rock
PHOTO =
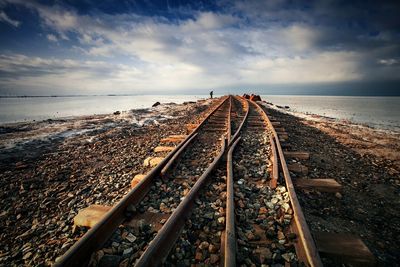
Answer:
(156, 104)
(117, 112)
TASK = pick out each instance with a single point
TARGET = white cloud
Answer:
(211, 50)
(4, 17)
(52, 38)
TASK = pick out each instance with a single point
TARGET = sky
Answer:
(166, 46)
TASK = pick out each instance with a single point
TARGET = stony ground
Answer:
(165, 196)
(50, 170)
(367, 163)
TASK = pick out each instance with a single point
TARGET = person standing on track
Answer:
(211, 94)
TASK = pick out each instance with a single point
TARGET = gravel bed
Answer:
(43, 191)
(237, 107)
(200, 240)
(359, 158)
(263, 215)
(165, 196)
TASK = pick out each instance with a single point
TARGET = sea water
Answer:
(379, 112)
(42, 108)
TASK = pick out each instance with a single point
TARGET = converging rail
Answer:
(224, 195)
(79, 254)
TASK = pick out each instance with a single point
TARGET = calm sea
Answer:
(379, 112)
(41, 108)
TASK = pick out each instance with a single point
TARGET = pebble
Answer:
(204, 245)
(131, 238)
(27, 256)
(214, 258)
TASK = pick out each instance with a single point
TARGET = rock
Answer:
(221, 220)
(212, 248)
(281, 235)
(163, 208)
(263, 254)
(250, 236)
(152, 161)
(156, 104)
(27, 256)
(338, 195)
(204, 245)
(117, 112)
(286, 257)
(209, 215)
(110, 261)
(255, 97)
(127, 251)
(214, 258)
(198, 256)
(130, 237)
(263, 210)
(91, 215)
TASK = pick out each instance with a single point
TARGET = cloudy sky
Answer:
(129, 46)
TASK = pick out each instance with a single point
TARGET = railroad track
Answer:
(222, 196)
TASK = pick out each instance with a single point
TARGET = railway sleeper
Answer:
(298, 168)
(302, 155)
(322, 185)
(344, 248)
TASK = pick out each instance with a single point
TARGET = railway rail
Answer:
(223, 196)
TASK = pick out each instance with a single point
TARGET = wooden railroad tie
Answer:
(298, 168)
(322, 185)
(164, 148)
(345, 248)
(173, 138)
(297, 154)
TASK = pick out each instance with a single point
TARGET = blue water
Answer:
(378, 112)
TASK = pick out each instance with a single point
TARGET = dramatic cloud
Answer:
(187, 48)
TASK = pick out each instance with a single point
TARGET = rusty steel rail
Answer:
(229, 121)
(275, 167)
(241, 124)
(305, 246)
(79, 254)
(230, 236)
(160, 246)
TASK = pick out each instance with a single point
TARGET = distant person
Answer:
(211, 94)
